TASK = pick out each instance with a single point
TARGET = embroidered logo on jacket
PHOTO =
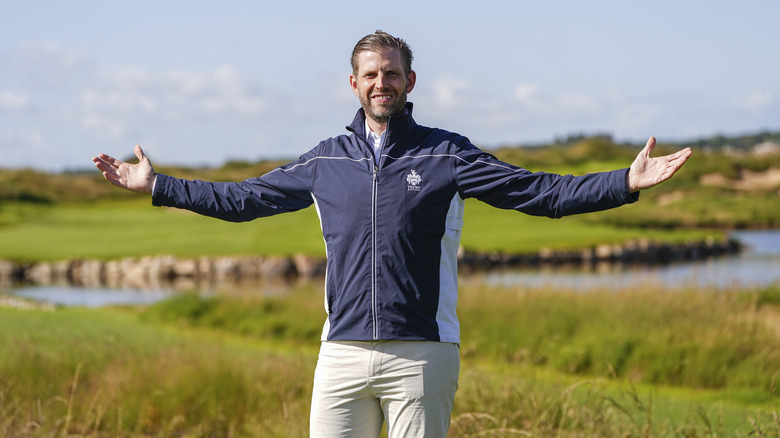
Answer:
(414, 180)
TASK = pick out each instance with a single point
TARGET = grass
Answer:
(120, 229)
(488, 229)
(703, 208)
(104, 373)
(242, 366)
(694, 339)
(110, 230)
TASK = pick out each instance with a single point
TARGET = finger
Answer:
(681, 155)
(677, 163)
(102, 165)
(114, 179)
(681, 152)
(110, 160)
(111, 178)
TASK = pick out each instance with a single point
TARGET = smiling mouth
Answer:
(381, 98)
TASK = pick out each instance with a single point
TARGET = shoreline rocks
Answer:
(163, 271)
(632, 253)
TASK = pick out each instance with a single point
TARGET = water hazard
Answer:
(758, 265)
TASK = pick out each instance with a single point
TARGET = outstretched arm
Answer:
(135, 177)
(646, 171)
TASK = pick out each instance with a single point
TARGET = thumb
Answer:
(139, 153)
(649, 146)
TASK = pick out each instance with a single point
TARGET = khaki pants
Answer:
(358, 385)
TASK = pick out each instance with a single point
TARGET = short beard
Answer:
(384, 115)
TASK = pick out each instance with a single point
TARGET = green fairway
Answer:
(135, 228)
(108, 230)
(489, 229)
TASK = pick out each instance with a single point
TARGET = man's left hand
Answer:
(646, 171)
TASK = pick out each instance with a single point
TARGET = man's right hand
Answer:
(135, 177)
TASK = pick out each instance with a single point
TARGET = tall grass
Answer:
(535, 363)
(689, 338)
(102, 373)
(697, 339)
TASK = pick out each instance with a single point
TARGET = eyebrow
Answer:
(385, 70)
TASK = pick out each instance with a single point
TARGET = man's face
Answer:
(381, 85)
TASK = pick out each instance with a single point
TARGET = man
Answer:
(390, 198)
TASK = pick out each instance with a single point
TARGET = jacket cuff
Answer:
(628, 197)
(158, 198)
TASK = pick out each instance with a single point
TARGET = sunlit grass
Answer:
(534, 363)
(110, 230)
(488, 229)
(102, 373)
(122, 229)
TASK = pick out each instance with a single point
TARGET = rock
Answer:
(309, 267)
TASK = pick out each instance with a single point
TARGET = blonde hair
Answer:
(379, 42)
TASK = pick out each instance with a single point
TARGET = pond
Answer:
(758, 265)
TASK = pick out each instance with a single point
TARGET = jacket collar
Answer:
(395, 125)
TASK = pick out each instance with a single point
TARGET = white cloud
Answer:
(172, 95)
(758, 99)
(13, 100)
(50, 75)
(33, 139)
(82, 106)
(23, 146)
(82, 103)
(579, 102)
(449, 90)
(184, 116)
(633, 117)
(108, 127)
(529, 111)
(526, 92)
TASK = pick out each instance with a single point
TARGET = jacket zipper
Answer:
(374, 194)
(374, 191)
(373, 253)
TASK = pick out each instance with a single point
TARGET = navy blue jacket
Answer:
(392, 230)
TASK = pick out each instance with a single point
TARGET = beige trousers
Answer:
(359, 385)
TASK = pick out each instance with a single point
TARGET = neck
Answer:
(376, 126)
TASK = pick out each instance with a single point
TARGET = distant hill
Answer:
(729, 181)
(743, 143)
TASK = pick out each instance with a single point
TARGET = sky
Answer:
(199, 83)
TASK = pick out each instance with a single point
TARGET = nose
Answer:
(380, 80)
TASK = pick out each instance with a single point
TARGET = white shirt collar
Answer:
(374, 140)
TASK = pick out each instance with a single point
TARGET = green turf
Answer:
(108, 230)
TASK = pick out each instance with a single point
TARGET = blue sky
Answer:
(199, 83)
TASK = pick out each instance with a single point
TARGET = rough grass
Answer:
(695, 339)
(102, 373)
(535, 363)
(685, 338)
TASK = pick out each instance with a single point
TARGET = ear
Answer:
(411, 79)
(353, 84)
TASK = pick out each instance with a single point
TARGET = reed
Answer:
(535, 363)
(691, 338)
